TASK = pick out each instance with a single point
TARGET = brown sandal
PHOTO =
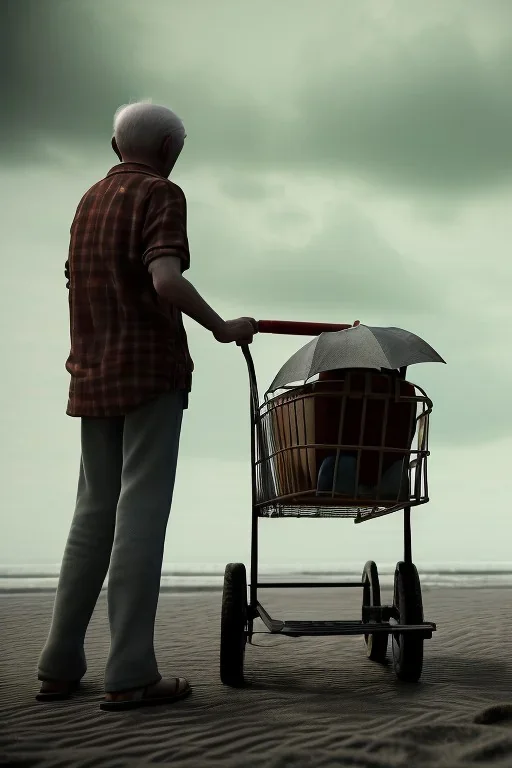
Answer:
(163, 692)
(57, 690)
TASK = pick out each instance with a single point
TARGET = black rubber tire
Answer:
(408, 648)
(377, 643)
(233, 630)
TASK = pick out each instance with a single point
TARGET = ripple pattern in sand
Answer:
(311, 702)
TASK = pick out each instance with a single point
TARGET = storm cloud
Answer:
(424, 106)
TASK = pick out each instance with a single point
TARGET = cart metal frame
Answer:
(376, 619)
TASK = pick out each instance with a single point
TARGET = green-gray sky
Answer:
(344, 160)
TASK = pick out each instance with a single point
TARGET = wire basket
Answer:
(351, 444)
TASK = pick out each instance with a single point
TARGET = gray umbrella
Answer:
(361, 346)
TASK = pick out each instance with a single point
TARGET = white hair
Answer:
(141, 127)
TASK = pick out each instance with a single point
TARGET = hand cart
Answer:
(283, 446)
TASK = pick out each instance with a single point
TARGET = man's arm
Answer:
(166, 256)
(170, 284)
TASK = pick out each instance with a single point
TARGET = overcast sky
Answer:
(344, 161)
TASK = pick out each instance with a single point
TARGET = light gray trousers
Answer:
(125, 489)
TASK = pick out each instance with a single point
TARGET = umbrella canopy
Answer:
(361, 346)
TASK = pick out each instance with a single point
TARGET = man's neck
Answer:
(145, 163)
(125, 161)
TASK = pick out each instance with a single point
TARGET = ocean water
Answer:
(191, 577)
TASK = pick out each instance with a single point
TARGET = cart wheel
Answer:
(408, 648)
(377, 643)
(233, 631)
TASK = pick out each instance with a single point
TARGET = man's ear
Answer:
(165, 148)
(116, 149)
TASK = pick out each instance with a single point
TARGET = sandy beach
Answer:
(311, 702)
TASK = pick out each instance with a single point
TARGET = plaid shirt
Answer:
(128, 346)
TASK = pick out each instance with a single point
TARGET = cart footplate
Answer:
(319, 628)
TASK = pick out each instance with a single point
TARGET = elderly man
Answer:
(130, 378)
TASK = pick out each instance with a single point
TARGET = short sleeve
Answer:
(165, 226)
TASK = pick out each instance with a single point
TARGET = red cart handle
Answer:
(300, 329)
